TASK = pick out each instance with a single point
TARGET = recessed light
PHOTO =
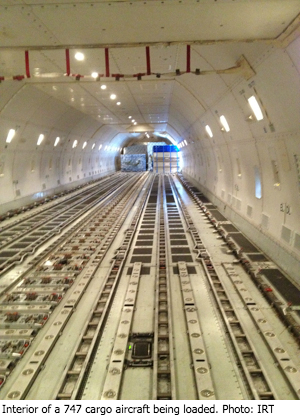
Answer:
(118, 103)
(209, 131)
(103, 87)
(224, 123)
(256, 108)
(10, 135)
(129, 117)
(135, 123)
(94, 75)
(113, 96)
(79, 56)
(40, 139)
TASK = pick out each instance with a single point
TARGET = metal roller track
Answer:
(67, 267)
(258, 383)
(74, 378)
(258, 270)
(59, 239)
(117, 363)
(24, 238)
(281, 357)
(163, 365)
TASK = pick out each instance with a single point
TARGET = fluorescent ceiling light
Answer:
(56, 141)
(75, 143)
(100, 146)
(84, 145)
(224, 123)
(113, 96)
(209, 131)
(10, 135)
(256, 108)
(79, 56)
(103, 87)
(185, 142)
(40, 139)
(93, 146)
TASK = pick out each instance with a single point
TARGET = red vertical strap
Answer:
(106, 62)
(27, 64)
(148, 60)
(68, 62)
(188, 58)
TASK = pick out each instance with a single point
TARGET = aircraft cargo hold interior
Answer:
(150, 195)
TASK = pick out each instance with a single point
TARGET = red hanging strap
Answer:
(188, 58)
(148, 60)
(27, 64)
(106, 62)
(68, 68)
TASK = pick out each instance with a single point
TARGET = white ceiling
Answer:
(219, 32)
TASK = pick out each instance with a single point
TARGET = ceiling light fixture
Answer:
(10, 135)
(56, 141)
(100, 146)
(118, 103)
(79, 56)
(93, 146)
(113, 96)
(103, 87)
(256, 108)
(224, 123)
(84, 145)
(129, 117)
(209, 131)
(40, 139)
(75, 143)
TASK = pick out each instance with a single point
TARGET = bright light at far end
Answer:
(79, 56)
(56, 141)
(209, 131)
(256, 108)
(40, 139)
(224, 123)
(10, 135)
